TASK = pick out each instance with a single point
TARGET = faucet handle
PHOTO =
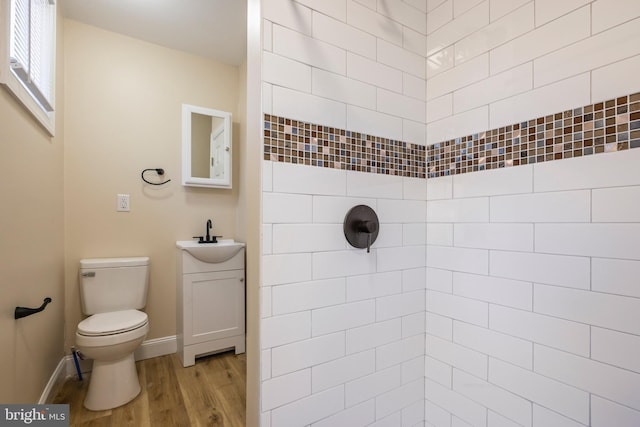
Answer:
(208, 239)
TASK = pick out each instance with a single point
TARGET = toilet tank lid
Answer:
(114, 262)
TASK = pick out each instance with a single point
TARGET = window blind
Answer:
(31, 47)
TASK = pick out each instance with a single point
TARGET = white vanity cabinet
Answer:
(210, 305)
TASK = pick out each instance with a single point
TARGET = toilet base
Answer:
(113, 383)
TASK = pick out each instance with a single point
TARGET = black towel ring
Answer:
(159, 171)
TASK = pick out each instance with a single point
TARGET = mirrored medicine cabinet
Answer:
(206, 147)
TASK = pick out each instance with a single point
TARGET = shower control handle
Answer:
(368, 227)
(361, 227)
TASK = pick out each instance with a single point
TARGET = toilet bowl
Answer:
(110, 340)
(112, 292)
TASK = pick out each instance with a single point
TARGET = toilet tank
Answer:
(113, 284)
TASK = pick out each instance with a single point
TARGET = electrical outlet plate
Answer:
(123, 203)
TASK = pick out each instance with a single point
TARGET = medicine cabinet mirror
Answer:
(206, 147)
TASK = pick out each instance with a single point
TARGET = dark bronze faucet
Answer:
(208, 238)
(209, 227)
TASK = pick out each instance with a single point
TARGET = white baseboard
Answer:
(66, 368)
(156, 347)
(57, 378)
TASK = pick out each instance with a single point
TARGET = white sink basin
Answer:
(211, 252)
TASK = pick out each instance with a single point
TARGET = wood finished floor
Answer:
(210, 393)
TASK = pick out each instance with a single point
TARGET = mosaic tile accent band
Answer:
(613, 125)
(293, 141)
(603, 127)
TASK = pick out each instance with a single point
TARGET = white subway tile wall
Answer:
(352, 330)
(561, 334)
(504, 297)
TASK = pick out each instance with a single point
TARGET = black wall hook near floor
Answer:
(21, 312)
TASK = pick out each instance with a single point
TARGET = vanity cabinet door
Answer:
(217, 306)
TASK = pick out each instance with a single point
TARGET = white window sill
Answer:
(15, 87)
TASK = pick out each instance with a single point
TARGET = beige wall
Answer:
(31, 247)
(123, 106)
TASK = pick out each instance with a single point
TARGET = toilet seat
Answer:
(112, 323)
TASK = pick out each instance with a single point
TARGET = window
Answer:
(28, 55)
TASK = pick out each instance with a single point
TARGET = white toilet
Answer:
(112, 290)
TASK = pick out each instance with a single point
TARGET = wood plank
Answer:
(211, 393)
(73, 392)
(201, 403)
(136, 412)
(232, 403)
(97, 422)
(239, 366)
(166, 405)
(225, 378)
